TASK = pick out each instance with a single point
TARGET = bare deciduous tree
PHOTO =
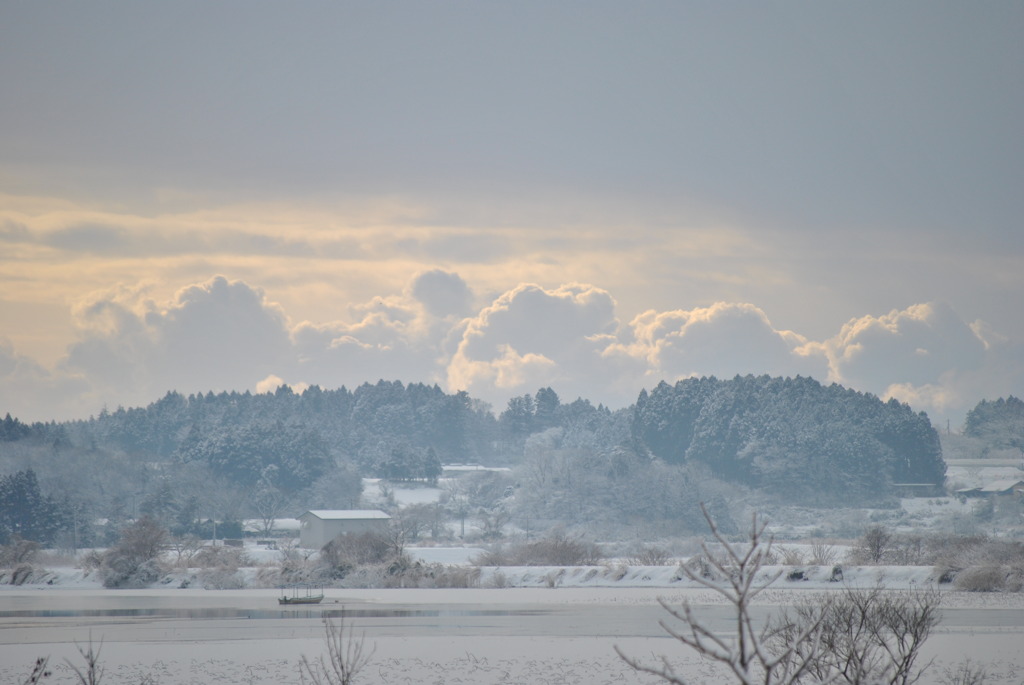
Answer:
(860, 637)
(268, 500)
(873, 545)
(185, 548)
(344, 660)
(869, 636)
(748, 653)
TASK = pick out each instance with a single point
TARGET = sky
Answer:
(499, 197)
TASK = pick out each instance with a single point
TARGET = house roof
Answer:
(346, 514)
(1001, 485)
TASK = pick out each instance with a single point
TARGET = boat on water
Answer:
(301, 594)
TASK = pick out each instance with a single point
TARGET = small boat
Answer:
(297, 596)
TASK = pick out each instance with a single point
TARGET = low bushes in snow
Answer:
(557, 549)
(994, 578)
(135, 560)
(18, 562)
(879, 546)
(650, 555)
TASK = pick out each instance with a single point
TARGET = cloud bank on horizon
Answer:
(497, 197)
(226, 334)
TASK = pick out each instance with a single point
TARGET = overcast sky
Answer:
(503, 196)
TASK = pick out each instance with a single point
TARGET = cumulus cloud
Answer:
(442, 294)
(217, 335)
(722, 340)
(25, 384)
(396, 337)
(915, 345)
(224, 334)
(532, 337)
(271, 383)
(925, 355)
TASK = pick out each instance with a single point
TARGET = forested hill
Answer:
(999, 424)
(386, 429)
(790, 435)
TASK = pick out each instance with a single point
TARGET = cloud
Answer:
(216, 335)
(723, 340)
(33, 393)
(928, 356)
(222, 334)
(271, 383)
(442, 294)
(912, 346)
(395, 337)
(531, 337)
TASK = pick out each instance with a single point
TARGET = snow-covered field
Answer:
(531, 634)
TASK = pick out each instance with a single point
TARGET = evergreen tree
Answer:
(26, 512)
(13, 429)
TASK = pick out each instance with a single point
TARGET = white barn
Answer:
(320, 526)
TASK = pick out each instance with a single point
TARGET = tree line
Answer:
(189, 460)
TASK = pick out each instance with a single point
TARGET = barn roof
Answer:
(346, 514)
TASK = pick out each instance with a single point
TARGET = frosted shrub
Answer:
(982, 579)
(457, 577)
(650, 555)
(134, 560)
(554, 578)
(347, 551)
(221, 556)
(823, 553)
(18, 575)
(441, 576)
(557, 549)
(120, 571)
(498, 580)
(618, 572)
(791, 556)
(18, 552)
(221, 578)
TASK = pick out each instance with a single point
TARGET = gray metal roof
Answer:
(347, 514)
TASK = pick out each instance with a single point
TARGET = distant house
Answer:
(998, 487)
(320, 526)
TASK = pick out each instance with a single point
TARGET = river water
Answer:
(516, 635)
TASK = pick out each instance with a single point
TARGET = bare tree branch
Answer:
(345, 657)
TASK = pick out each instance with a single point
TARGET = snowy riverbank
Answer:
(602, 576)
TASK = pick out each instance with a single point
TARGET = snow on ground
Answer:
(427, 636)
(611, 575)
(974, 473)
(404, 493)
(449, 556)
